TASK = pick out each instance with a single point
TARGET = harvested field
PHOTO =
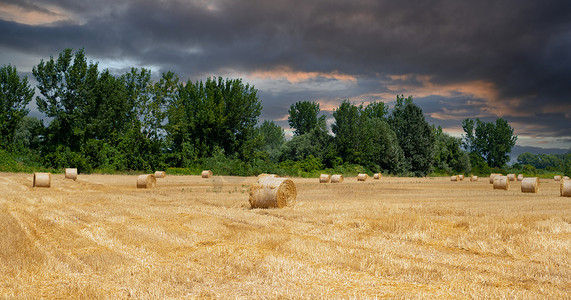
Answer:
(190, 237)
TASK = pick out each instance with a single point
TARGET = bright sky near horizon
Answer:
(458, 59)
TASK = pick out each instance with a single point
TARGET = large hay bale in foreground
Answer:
(42, 180)
(473, 178)
(454, 178)
(493, 175)
(160, 174)
(377, 176)
(501, 183)
(362, 177)
(272, 192)
(206, 174)
(146, 181)
(557, 178)
(565, 188)
(324, 178)
(336, 178)
(520, 177)
(530, 185)
(71, 173)
(511, 177)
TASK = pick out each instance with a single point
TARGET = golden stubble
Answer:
(190, 237)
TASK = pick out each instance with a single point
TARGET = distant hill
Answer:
(517, 150)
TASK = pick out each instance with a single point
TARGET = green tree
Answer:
(491, 141)
(303, 117)
(15, 94)
(415, 136)
(449, 155)
(273, 138)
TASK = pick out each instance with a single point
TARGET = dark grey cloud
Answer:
(520, 47)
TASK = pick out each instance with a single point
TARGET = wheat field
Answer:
(190, 237)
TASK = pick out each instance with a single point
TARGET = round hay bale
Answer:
(362, 177)
(71, 173)
(565, 177)
(461, 177)
(501, 183)
(473, 178)
(324, 178)
(493, 175)
(377, 176)
(530, 185)
(519, 177)
(146, 181)
(266, 174)
(272, 192)
(557, 178)
(511, 177)
(454, 178)
(336, 178)
(206, 174)
(565, 188)
(160, 174)
(42, 180)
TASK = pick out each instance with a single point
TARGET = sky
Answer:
(458, 59)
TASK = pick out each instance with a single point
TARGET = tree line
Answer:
(98, 121)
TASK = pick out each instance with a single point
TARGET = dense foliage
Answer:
(98, 121)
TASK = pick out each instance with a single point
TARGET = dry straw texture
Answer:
(520, 177)
(266, 174)
(511, 177)
(493, 175)
(336, 178)
(377, 176)
(272, 192)
(473, 178)
(206, 174)
(42, 180)
(324, 178)
(454, 178)
(71, 173)
(362, 177)
(146, 181)
(160, 174)
(501, 183)
(565, 188)
(530, 185)
(557, 177)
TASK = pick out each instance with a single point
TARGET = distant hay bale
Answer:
(565, 177)
(266, 174)
(146, 181)
(272, 192)
(473, 178)
(377, 176)
(519, 177)
(160, 174)
(511, 177)
(530, 185)
(324, 178)
(454, 178)
(42, 180)
(565, 188)
(336, 178)
(206, 174)
(362, 177)
(71, 173)
(493, 175)
(501, 183)
(557, 178)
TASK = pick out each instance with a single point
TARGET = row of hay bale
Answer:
(42, 179)
(326, 178)
(528, 184)
(461, 178)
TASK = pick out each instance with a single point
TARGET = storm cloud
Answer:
(458, 59)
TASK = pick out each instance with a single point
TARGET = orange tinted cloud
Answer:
(14, 13)
(299, 76)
